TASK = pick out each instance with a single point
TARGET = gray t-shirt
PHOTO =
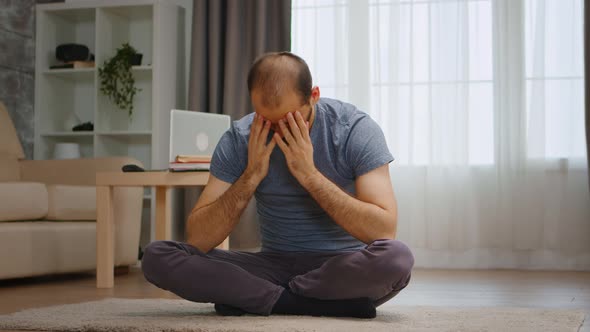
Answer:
(347, 143)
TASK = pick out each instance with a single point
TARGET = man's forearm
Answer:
(366, 222)
(209, 225)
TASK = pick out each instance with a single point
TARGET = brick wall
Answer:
(17, 66)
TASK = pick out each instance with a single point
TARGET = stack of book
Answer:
(74, 65)
(190, 163)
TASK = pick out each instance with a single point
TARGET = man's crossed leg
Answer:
(318, 283)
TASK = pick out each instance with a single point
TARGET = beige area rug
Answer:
(179, 315)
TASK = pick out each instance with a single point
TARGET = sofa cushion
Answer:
(9, 168)
(42, 247)
(67, 202)
(22, 201)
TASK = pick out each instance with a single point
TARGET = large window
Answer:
(554, 78)
(431, 73)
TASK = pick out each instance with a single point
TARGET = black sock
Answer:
(227, 310)
(292, 304)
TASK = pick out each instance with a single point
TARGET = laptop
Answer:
(196, 133)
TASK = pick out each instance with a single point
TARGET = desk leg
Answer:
(105, 237)
(163, 214)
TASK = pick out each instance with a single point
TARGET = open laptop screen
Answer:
(195, 133)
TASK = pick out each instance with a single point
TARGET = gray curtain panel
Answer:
(586, 75)
(227, 36)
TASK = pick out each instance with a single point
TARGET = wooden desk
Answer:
(105, 226)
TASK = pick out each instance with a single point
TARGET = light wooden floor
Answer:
(428, 287)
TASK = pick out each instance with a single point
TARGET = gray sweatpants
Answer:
(254, 281)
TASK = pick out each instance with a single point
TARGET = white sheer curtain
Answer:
(481, 102)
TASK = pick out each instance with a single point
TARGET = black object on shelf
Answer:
(73, 52)
(86, 126)
(136, 59)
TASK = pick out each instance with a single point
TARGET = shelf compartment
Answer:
(111, 118)
(65, 102)
(122, 24)
(85, 142)
(64, 26)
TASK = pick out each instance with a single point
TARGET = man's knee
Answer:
(153, 262)
(394, 260)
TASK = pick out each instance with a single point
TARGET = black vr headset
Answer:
(73, 52)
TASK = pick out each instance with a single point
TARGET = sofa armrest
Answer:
(71, 171)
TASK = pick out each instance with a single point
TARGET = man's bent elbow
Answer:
(389, 233)
(393, 226)
(192, 235)
(199, 243)
(382, 235)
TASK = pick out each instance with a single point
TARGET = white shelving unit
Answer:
(156, 29)
(159, 29)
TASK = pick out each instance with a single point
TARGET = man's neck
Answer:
(312, 116)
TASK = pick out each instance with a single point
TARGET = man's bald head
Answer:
(277, 74)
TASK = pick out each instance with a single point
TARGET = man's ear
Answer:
(315, 94)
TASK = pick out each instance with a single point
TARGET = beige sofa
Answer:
(48, 211)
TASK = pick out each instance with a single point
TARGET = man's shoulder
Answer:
(339, 112)
(241, 128)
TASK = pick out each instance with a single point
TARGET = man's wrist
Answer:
(251, 178)
(312, 179)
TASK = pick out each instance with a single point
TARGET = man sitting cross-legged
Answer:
(319, 169)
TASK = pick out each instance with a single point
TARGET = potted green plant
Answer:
(116, 79)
